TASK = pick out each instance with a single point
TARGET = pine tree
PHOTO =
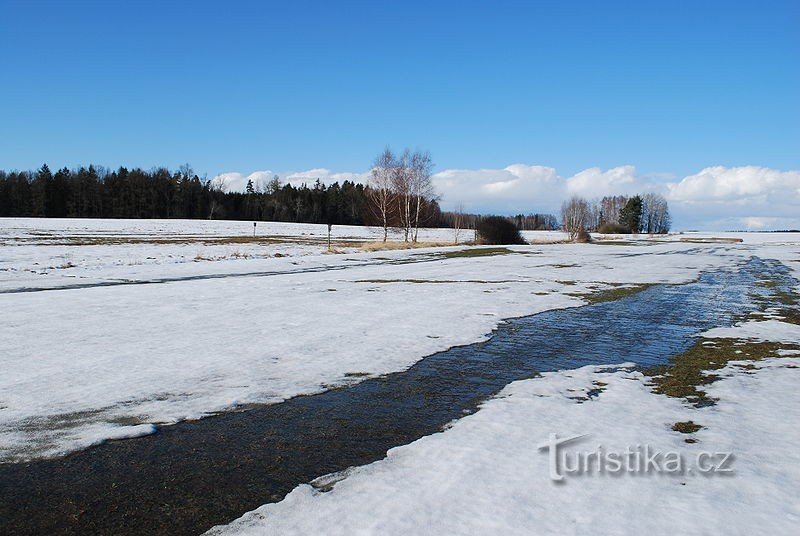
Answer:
(631, 214)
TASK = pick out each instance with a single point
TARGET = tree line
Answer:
(398, 195)
(96, 192)
(641, 213)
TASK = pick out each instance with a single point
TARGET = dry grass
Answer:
(476, 252)
(391, 245)
(187, 239)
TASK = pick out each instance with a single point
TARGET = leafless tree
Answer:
(273, 185)
(610, 206)
(381, 189)
(402, 183)
(218, 190)
(186, 171)
(655, 214)
(421, 187)
(458, 222)
(575, 216)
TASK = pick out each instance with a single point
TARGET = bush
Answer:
(583, 236)
(496, 230)
(613, 228)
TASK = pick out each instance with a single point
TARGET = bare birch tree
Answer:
(610, 206)
(402, 185)
(381, 191)
(574, 216)
(422, 190)
(458, 222)
(655, 214)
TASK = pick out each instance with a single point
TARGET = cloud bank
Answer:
(715, 198)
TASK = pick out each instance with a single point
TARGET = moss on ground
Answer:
(688, 372)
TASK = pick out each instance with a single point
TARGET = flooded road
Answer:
(193, 475)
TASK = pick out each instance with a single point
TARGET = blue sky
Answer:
(668, 87)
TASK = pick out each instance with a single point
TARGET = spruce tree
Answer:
(631, 214)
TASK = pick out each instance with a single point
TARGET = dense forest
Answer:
(95, 192)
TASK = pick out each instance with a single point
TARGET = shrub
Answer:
(613, 228)
(496, 230)
(583, 236)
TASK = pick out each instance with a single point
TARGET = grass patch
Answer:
(710, 240)
(438, 281)
(263, 240)
(791, 316)
(686, 427)
(690, 371)
(616, 293)
(605, 242)
(780, 292)
(476, 252)
(391, 245)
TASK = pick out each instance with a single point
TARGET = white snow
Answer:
(87, 363)
(767, 330)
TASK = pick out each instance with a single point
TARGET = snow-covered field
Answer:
(147, 323)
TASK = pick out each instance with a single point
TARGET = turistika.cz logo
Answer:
(639, 459)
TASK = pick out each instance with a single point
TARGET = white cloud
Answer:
(594, 182)
(718, 197)
(237, 182)
(751, 184)
(747, 197)
(499, 189)
(325, 176)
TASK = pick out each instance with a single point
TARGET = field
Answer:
(118, 329)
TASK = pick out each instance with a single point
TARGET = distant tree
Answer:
(575, 214)
(41, 186)
(381, 189)
(421, 188)
(631, 214)
(458, 222)
(273, 185)
(610, 207)
(402, 179)
(655, 214)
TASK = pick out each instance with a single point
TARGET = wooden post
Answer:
(329, 236)
(254, 229)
